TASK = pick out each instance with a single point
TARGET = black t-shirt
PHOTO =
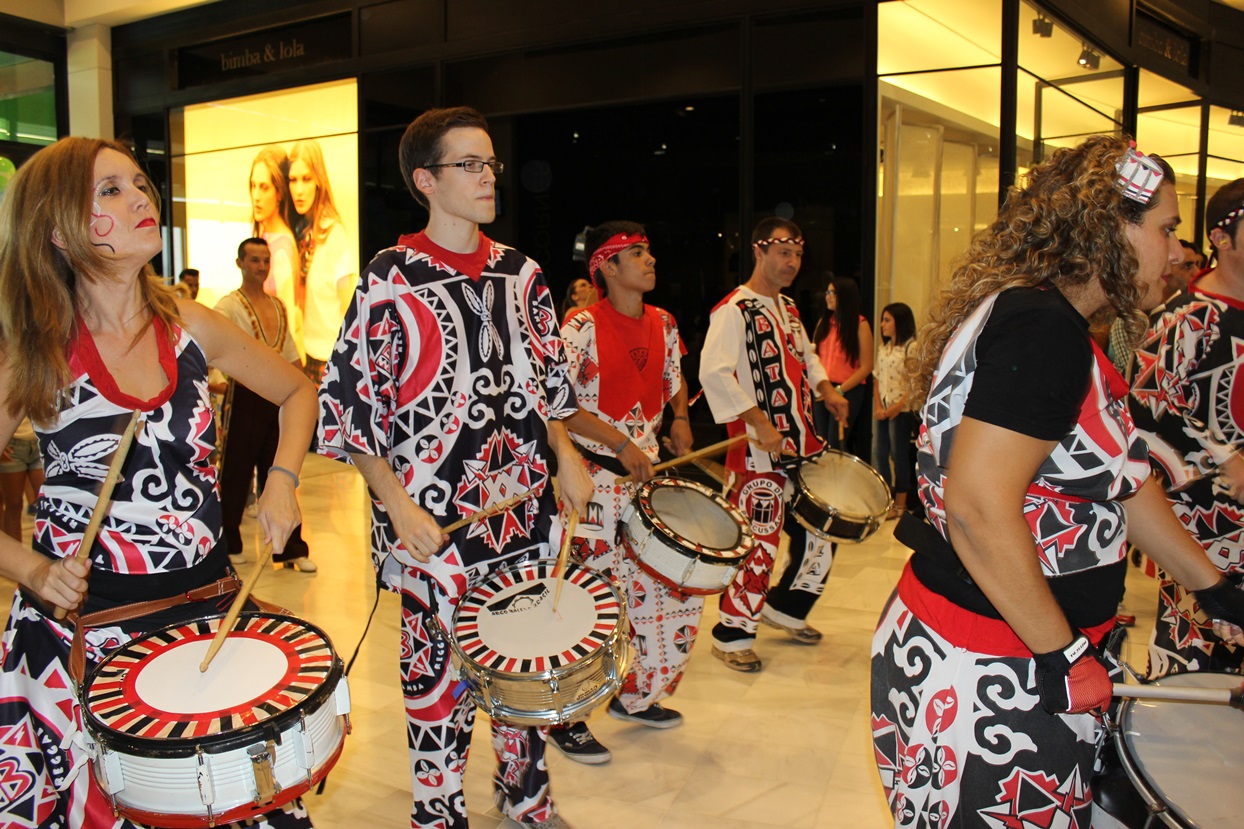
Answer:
(1034, 364)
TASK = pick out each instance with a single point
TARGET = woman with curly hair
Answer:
(89, 335)
(987, 681)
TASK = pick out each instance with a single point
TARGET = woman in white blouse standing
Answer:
(895, 421)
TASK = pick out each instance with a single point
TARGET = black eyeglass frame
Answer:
(498, 167)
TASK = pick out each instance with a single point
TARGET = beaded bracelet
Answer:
(288, 472)
(621, 446)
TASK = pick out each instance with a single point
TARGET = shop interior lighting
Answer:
(1236, 118)
(1042, 26)
(1089, 59)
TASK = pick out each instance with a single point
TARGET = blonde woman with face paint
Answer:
(89, 335)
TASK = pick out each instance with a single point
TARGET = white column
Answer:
(90, 81)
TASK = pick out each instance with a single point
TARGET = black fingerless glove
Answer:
(1223, 601)
(1073, 680)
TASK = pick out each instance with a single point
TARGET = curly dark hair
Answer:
(1063, 227)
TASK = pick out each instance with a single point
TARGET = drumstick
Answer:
(842, 432)
(571, 525)
(226, 625)
(1170, 693)
(714, 449)
(105, 495)
(488, 512)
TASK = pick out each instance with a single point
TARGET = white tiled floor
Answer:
(789, 746)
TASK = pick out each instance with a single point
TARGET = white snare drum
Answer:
(839, 497)
(1185, 759)
(686, 536)
(174, 747)
(525, 664)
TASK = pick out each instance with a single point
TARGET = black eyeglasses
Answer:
(473, 165)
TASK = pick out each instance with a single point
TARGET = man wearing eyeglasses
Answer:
(759, 370)
(446, 388)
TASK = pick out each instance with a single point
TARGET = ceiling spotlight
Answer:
(1043, 26)
(1089, 59)
(1236, 118)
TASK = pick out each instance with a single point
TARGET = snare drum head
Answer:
(687, 512)
(152, 689)
(506, 622)
(845, 483)
(1190, 754)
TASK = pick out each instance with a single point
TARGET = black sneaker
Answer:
(576, 742)
(654, 716)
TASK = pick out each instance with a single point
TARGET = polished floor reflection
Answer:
(788, 746)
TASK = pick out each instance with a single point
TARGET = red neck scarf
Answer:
(623, 383)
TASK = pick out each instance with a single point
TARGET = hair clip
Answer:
(1138, 175)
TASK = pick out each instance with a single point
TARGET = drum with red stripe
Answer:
(528, 665)
(686, 536)
(175, 747)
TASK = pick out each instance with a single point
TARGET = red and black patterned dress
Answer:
(449, 366)
(1187, 407)
(160, 537)
(959, 732)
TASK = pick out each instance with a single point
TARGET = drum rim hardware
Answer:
(229, 776)
(745, 539)
(242, 737)
(812, 520)
(608, 661)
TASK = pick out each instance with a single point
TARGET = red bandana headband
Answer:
(614, 245)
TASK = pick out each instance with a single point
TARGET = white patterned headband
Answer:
(773, 240)
(1230, 218)
(1138, 175)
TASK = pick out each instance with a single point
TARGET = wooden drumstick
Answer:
(714, 449)
(1174, 693)
(488, 512)
(572, 524)
(842, 434)
(105, 495)
(231, 618)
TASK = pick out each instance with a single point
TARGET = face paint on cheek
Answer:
(101, 224)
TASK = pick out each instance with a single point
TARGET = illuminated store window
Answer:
(27, 100)
(939, 86)
(1225, 161)
(1066, 89)
(1168, 123)
(282, 166)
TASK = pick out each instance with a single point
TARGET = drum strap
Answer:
(608, 462)
(136, 610)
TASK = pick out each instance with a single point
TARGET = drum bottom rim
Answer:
(192, 820)
(868, 530)
(679, 588)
